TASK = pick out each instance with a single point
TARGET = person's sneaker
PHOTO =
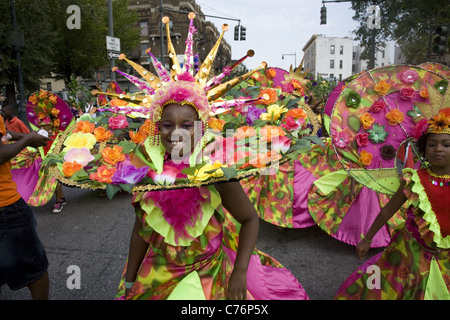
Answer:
(57, 207)
(63, 201)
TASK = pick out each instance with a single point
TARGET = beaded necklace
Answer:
(440, 180)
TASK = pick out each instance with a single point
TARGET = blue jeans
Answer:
(22, 256)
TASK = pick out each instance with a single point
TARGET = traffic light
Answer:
(243, 32)
(440, 40)
(236, 33)
(323, 15)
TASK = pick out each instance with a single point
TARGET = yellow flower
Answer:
(395, 117)
(365, 158)
(274, 112)
(203, 175)
(367, 120)
(382, 88)
(80, 140)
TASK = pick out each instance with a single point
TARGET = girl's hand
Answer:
(362, 248)
(237, 285)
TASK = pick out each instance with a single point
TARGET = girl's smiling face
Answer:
(177, 127)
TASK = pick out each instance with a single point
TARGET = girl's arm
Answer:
(10, 150)
(238, 204)
(396, 202)
(138, 249)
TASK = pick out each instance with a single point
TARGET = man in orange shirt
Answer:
(12, 122)
(23, 259)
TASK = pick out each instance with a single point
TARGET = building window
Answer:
(383, 54)
(144, 28)
(340, 64)
(332, 49)
(341, 50)
(144, 46)
(331, 64)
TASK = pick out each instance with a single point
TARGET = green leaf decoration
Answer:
(354, 123)
(156, 154)
(377, 133)
(127, 146)
(112, 189)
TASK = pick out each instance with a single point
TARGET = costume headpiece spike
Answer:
(202, 74)
(162, 72)
(135, 80)
(147, 75)
(218, 91)
(227, 70)
(176, 69)
(188, 54)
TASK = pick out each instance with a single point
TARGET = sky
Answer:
(278, 27)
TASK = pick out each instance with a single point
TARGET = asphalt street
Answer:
(90, 238)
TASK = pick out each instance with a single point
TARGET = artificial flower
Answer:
(263, 159)
(270, 73)
(69, 168)
(167, 177)
(342, 138)
(378, 106)
(267, 97)
(292, 124)
(296, 113)
(281, 145)
(274, 112)
(407, 93)
(138, 137)
(113, 155)
(204, 173)
(395, 117)
(33, 99)
(80, 140)
(268, 133)
(424, 93)
(118, 122)
(85, 127)
(365, 158)
(420, 128)
(244, 132)
(362, 139)
(377, 133)
(81, 156)
(53, 99)
(439, 122)
(353, 99)
(367, 120)
(54, 112)
(382, 88)
(103, 174)
(408, 76)
(387, 152)
(216, 124)
(129, 174)
(253, 114)
(101, 134)
(43, 94)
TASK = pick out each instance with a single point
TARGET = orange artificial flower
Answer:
(382, 87)
(269, 132)
(53, 99)
(244, 132)
(439, 122)
(269, 96)
(85, 127)
(103, 174)
(367, 120)
(69, 168)
(56, 123)
(271, 73)
(118, 102)
(395, 117)
(113, 155)
(138, 137)
(55, 112)
(145, 128)
(41, 115)
(365, 158)
(263, 159)
(42, 94)
(101, 134)
(216, 124)
(34, 99)
(424, 93)
(296, 113)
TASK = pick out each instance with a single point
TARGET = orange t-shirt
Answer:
(16, 125)
(8, 188)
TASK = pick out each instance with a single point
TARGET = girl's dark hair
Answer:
(422, 143)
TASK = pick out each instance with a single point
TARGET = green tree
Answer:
(407, 22)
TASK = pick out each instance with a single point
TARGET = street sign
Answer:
(112, 44)
(113, 55)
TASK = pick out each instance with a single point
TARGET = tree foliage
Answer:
(407, 22)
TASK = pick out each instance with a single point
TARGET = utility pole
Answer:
(111, 34)
(161, 30)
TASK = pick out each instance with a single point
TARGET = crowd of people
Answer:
(376, 174)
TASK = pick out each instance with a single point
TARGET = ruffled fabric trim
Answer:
(412, 178)
(155, 217)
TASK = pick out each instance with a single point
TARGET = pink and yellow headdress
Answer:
(184, 85)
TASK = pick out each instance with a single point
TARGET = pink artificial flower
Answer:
(420, 128)
(292, 124)
(166, 178)
(80, 155)
(342, 139)
(377, 106)
(281, 144)
(186, 76)
(407, 93)
(409, 76)
(118, 122)
(362, 139)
